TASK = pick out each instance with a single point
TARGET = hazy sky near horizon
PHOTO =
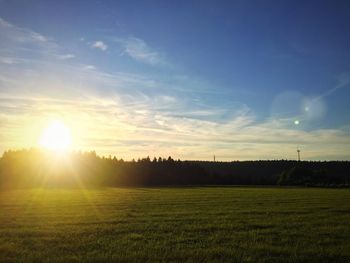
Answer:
(190, 79)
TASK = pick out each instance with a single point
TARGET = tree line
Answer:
(38, 168)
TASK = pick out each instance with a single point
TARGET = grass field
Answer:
(230, 224)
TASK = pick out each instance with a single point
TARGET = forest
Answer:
(39, 168)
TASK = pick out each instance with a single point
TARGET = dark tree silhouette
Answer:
(36, 168)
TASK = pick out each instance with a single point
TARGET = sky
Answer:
(242, 80)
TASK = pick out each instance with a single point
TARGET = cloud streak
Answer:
(19, 34)
(65, 56)
(140, 51)
(112, 126)
(99, 45)
(343, 81)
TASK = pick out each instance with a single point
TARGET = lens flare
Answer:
(287, 105)
(315, 109)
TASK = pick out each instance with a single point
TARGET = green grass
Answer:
(231, 224)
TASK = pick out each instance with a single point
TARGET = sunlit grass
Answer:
(175, 224)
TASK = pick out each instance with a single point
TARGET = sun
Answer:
(56, 137)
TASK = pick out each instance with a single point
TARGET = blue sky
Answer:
(239, 79)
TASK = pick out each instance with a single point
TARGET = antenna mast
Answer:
(298, 151)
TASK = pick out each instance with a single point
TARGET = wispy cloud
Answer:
(9, 60)
(343, 81)
(99, 45)
(89, 67)
(20, 44)
(139, 50)
(65, 56)
(136, 129)
(20, 35)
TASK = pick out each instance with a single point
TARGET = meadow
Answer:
(193, 224)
